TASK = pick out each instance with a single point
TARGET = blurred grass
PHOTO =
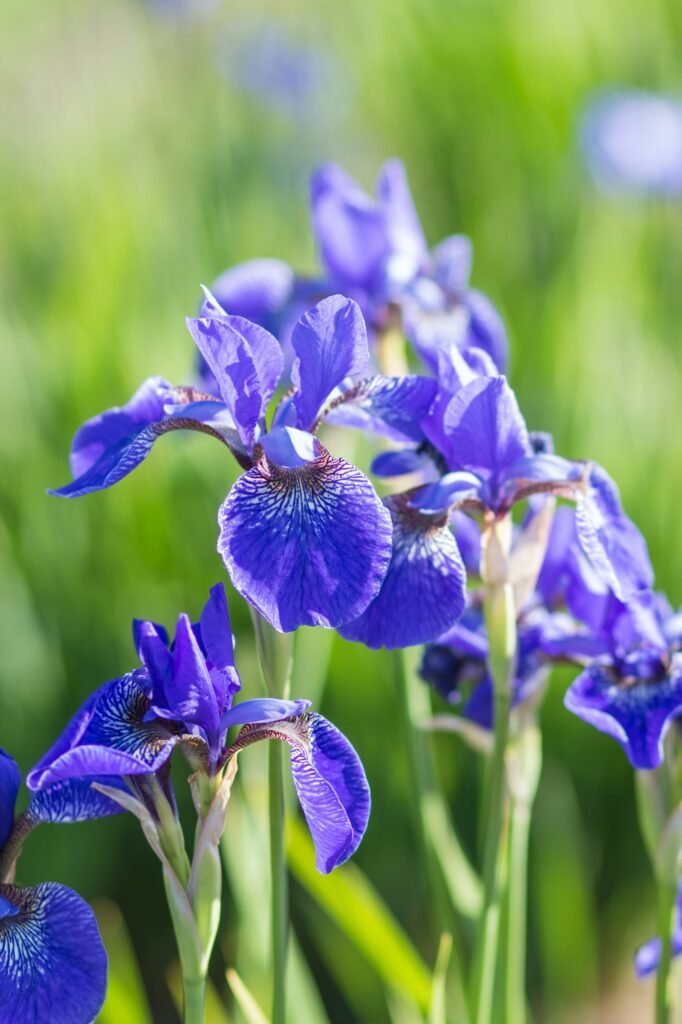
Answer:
(131, 168)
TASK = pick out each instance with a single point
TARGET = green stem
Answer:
(501, 628)
(515, 993)
(667, 897)
(194, 999)
(275, 654)
(280, 884)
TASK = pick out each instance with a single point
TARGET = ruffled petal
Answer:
(306, 546)
(108, 736)
(610, 539)
(330, 342)
(349, 228)
(10, 780)
(393, 407)
(53, 966)
(262, 709)
(424, 590)
(636, 714)
(73, 800)
(102, 455)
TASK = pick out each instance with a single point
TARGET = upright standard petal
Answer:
(393, 407)
(330, 342)
(424, 591)
(348, 227)
(406, 245)
(452, 259)
(484, 428)
(109, 736)
(306, 546)
(10, 780)
(635, 713)
(53, 965)
(486, 328)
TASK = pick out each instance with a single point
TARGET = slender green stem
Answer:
(275, 654)
(515, 950)
(501, 628)
(667, 896)
(280, 885)
(194, 999)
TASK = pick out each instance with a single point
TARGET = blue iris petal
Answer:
(306, 546)
(392, 407)
(424, 590)
(636, 714)
(10, 780)
(53, 965)
(74, 800)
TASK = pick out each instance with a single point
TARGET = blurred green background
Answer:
(142, 152)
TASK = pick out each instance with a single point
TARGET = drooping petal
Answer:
(108, 736)
(423, 593)
(73, 800)
(306, 546)
(484, 428)
(610, 539)
(256, 290)
(330, 783)
(349, 228)
(53, 965)
(10, 780)
(103, 432)
(262, 709)
(330, 342)
(636, 714)
(100, 467)
(393, 407)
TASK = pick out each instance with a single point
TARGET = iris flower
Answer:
(53, 965)
(184, 696)
(303, 534)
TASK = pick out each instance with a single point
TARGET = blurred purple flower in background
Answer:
(632, 142)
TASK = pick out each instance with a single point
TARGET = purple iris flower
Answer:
(303, 534)
(375, 250)
(633, 142)
(456, 664)
(53, 965)
(184, 696)
(648, 956)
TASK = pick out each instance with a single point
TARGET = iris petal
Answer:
(108, 736)
(330, 342)
(256, 289)
(484, 427)
(423, 593)
(262, 709)
(636, 715)
(10, 780)
(389, 406)
(306, 546)
(53, 966)
(73, 800)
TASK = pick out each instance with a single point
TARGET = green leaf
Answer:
(357, 909)
(246, 1002)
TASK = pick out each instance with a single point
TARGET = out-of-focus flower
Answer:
(633, 142)
(648, 956)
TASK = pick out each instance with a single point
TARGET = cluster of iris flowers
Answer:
(497, 555)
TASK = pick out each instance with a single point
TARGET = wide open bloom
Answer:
(373, 250)
(184, 696)
(53, 965)
(303, 534)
